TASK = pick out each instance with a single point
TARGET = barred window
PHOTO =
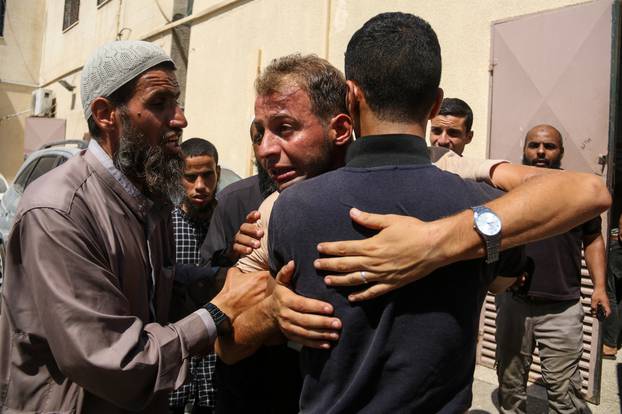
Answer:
(72, 10)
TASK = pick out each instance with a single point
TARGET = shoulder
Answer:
(267, 205)
(465, 167)
(244, 186)
(57, 189)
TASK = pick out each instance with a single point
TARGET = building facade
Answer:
(219, 47)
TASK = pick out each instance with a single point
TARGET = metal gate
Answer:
(554, 67)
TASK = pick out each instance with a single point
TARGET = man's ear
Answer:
(105, 115)
(354, 99)
(354, 95)
(437, 103)
(340, 129)
(469, 136)
(217, 173)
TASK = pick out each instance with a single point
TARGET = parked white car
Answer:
(37, 164)
(4, 185)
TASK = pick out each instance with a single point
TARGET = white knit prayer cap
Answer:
(113, 65)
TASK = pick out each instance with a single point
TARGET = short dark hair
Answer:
(325, 84)
(396, 60)
(196, 147)
(121, 96)
(457, 107)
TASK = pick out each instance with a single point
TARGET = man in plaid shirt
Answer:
(191, 220)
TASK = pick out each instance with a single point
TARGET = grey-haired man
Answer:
(90, 260)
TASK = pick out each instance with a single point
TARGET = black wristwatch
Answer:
(488, 226)
(221, 320)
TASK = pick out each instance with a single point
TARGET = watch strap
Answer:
(221, 320)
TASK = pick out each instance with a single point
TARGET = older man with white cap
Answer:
(90, 260)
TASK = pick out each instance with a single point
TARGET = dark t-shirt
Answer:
(267, 382)
(234, 202)
(557, 260)
(412, 350)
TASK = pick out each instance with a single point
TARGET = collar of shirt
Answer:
(103, 157)
(147, 210)
(200, 226)
(384, 150)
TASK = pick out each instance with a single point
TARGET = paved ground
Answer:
(485, 391)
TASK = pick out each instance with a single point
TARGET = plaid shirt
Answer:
(189, 237)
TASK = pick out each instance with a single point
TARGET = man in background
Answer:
(547, 309)
(451, 128)
(191, 220)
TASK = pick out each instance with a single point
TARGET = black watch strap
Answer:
(221, 320)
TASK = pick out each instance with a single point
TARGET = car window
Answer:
(44, 165)
(61, 160)
(20, 182)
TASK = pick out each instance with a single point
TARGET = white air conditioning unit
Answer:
(43, 102)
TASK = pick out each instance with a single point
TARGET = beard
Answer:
(555, 164)
(200, 215)
(157, 171)
(267, 185)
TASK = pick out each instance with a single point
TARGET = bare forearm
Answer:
(595, 261)
(542, 207)
(254, 327)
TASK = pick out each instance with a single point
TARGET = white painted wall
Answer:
(224, 55)
(228, 46)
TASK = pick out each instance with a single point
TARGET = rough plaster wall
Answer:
(20, 57)
(226, 49)
(224, 53)
(13, 99)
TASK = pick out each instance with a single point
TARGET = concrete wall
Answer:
(20, 57)
(225, 50)
(13, 99)
(230, 40)
(65, 52)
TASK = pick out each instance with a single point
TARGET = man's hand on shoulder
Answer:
(303, 320)
(405, 250)
(247, 238)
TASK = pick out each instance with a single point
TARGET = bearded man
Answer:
(90, 259)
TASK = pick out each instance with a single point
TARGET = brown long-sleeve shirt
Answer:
(86, 296)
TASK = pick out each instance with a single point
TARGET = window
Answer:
(44, 165)
(70, 16)
(36, 169)
(2, 6)
(20, 182)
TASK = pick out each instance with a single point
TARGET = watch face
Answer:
(488, 223)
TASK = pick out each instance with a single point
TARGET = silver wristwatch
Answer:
(488, 226)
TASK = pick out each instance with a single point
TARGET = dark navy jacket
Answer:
(412, 350)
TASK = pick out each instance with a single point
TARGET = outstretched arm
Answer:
(539, 205)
